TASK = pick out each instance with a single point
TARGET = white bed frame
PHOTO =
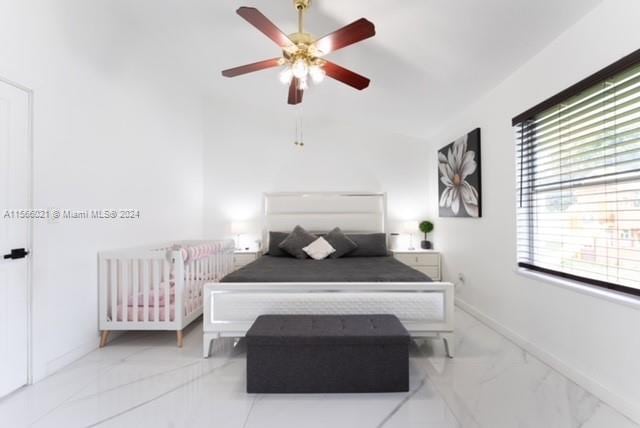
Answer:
(426, 309)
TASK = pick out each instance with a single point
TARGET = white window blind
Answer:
(578, 182)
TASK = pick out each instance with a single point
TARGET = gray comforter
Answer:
(350, 269)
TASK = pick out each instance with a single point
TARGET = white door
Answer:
(15, 184)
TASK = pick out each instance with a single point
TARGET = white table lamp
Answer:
(239, 228)
(410, 227)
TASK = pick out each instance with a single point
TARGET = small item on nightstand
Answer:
(239, 228)
(426, 227)
(394, 239)
(409, 228)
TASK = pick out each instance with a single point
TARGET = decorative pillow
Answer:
(369, 245)
(275, 239)
(296, 241)
(341, 242)
(319, 249)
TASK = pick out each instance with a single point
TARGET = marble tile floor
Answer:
(143, 380)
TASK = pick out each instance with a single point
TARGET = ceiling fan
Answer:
(302, 53)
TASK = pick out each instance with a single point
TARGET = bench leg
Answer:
(449, 344)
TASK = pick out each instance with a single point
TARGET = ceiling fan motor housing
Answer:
(302, 4)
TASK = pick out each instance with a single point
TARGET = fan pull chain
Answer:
(299, 137)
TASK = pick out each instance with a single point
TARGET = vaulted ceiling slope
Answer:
(429, 59)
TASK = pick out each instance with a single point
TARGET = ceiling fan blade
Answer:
(254, 17)
(353, 33)
(295, 94)
(345, 76)
(250, 68)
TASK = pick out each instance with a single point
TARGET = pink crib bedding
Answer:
(191, 304)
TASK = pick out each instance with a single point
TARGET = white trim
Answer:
(583, 288)
(30, 368)
(16, 85)
(58, 363)
(29, 243)
(608, 396)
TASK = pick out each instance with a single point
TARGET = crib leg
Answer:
(180, 337)
(104, 336)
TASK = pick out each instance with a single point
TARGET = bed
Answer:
(343, 286)
(346, 269)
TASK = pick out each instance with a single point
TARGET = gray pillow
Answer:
(275, 238)
(369, 245)
(296, 241)
(341, 242)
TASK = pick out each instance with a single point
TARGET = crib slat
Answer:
(167, 291)
(212, 259)
(187, 283)
(196, 280)
(216, 263)
(145, 290)
(102, 291)
(196, 284)
(194, 273)
(155, 286)
(187, 275)
(135, 272)
(113, 284)
(180, 284)
(126, 271)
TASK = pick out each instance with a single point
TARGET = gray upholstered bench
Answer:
(327, 354)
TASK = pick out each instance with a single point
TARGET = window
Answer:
(578, 180)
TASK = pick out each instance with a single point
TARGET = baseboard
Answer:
(609, 397)
(58, 363)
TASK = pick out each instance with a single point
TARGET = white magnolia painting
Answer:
(459, 176)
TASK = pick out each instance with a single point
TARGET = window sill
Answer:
(580, 287)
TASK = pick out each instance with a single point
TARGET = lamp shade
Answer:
(239, 227)
(411, 226)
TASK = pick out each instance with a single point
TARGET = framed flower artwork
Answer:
(459, 177)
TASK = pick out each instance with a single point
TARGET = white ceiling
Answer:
(428, 60)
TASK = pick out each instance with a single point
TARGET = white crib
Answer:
(158, 287)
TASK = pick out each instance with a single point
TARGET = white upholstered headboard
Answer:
(320, 212)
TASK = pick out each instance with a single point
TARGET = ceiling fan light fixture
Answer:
(286, 76)
(300, 68)
(317, 74)
(303, 84)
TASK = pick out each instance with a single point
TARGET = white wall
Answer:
(596, 340)
(109, 133)
(249, 152)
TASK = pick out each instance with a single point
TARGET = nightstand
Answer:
(242, 258)
(426, 261)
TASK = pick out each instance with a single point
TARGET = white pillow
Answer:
(319, 249)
